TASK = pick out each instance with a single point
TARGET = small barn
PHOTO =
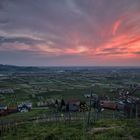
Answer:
(73, 105)
(108, 104)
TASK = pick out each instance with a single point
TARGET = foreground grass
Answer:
(100, 130)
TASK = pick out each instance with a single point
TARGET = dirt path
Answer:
(131, 137)
(102, 129)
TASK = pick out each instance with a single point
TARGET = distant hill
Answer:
(12, 68)
(48, 69)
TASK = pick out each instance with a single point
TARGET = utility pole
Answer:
(136, 111)
(89, 112)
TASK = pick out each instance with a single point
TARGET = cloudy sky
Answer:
(70, 32)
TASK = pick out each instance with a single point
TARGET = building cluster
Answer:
(6, 90)
(126, 102)
(23, 107)
(64, 105)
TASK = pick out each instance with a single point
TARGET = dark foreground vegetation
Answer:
(100, 130)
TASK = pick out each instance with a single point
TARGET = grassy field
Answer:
(100, 130)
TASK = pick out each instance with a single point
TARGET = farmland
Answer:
(44, 84)
(58, 82)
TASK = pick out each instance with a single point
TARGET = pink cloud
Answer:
(116, 26)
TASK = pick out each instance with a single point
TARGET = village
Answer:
(126, 102)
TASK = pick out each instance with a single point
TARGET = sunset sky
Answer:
(70, 32)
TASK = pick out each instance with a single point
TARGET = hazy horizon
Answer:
(74, 66)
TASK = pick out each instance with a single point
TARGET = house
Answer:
(3, 107)
(47, 103)
(12, 109)
(3, 110)
(6, 90)
(73, 105)
(108, 104)
(24, 107)
(42, 104)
